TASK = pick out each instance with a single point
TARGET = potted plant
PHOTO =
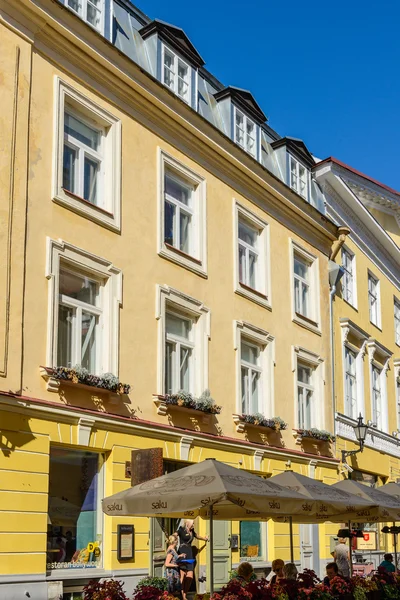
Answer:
(111, 589)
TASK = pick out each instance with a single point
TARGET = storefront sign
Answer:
(368, 541)
(125, 542)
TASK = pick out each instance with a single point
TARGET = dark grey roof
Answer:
(175, 37)
(297, 148)
(245, 100)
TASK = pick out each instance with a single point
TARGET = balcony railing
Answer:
(378, 440)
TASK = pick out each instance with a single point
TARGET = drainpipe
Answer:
(335, 274)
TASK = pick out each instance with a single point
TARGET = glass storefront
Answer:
(74, 524)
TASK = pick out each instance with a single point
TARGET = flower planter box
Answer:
(164, 407)
(242, 425)
(53, 384)
(300, 437)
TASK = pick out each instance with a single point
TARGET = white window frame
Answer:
(350, 374)
(171, 300)
(60, 254)
(245, 145)
(71, 100)
(82, 12)
(311, 322)
(311, 360)
(359, 348)
(351, 275)
(176, 60)
(379, 358)
(196, 262)
(261, 295)
(293, 161)
(396, 365)
(377, 295)
(396, 306)
(179, 342)
(78, 306)
(266, 343)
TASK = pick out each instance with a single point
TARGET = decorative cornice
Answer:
(340, 213)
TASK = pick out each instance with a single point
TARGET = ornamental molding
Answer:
(377, 440)
(341, 214)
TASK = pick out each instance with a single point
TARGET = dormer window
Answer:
(176, 74)
(90, 11)
(245, 132)
(298, 177)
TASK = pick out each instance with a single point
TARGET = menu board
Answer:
(125, 542)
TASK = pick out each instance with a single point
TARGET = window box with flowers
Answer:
(187, 402)
(258, 420)
(313, 434)
(79, 376)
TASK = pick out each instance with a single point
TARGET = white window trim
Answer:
(354, 303)
(396, 365)
(263, 549)
(375, 349)
(168, 298)
(263, 295)
(348, 327)
(100, 268)
(307, 172)
(198, 262)
(179, 341)
(80, 13)
(314, 361)
(110, 215)
(396, 302)
(177, 58)
(266, 342)
(378, 310)
(313, 323)
(256, 126)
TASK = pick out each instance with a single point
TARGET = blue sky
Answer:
(325, 72)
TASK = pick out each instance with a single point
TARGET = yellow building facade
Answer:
(141, 241)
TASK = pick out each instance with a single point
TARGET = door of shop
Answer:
(222, 554)
(309, 547)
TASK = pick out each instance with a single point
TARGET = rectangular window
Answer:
(251, 374)
(89, 10)
(397, 321)
(248, 255)
(87, 174)
(305, 395)
(83, 158)
(398, 403)
(245, 133)
(176, 75)
(298, 177)
(251, 540)
(350, 383)
(74, 512)
(302, 299)
(376, 396)
(179, 213)
(179, 353)
(348, 281)
(79, 315)
(374, 300)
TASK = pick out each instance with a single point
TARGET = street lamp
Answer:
(360, 430)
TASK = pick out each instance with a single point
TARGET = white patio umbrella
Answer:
(387, 507)
(331, 504)
(211, 490)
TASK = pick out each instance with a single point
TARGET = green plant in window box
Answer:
(316, 434)
(275, 423)
(79, 374)
(204, 403)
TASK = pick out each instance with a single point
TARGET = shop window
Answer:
(251, 540)
(74, 531)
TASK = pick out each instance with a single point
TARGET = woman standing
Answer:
(171, 565)
(186, 534)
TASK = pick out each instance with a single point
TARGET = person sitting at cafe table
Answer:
(387, 563)
(277, 569)
(245, 572)
(332, 570)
